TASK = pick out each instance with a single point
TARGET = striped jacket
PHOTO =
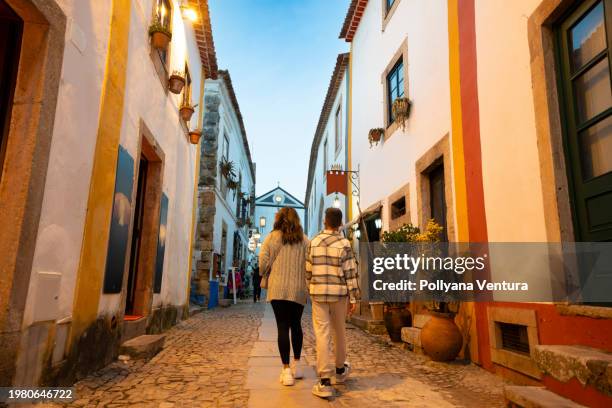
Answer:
(331, 271)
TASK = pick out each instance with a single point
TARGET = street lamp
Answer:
(337, 201)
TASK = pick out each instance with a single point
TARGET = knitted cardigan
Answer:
(287, 279)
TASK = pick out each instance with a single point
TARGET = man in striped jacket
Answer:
(332, 281)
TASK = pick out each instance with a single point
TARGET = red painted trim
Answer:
(477, 221)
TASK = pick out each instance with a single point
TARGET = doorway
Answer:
(437, 198)
(11, 27)
(137, 230)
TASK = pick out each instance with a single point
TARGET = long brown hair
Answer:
(287, 222)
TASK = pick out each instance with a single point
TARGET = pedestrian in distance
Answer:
(256, 284)
(332, 281)
(283, 267)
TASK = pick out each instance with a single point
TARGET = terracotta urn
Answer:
(440, 337)
(395, 318)
(160, 40)
(186, 112)
(176, 83)
(194, 136)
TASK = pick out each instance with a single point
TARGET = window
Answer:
(338, 128)
(163, 14)
(514, 337)
(389, 4)
(587, 99)
(325, 157)
(398, 208)
(225, 152)
(187, 88)
(395, 87)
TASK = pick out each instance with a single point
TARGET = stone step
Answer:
(411, 335)
(370, 325)
(143, 347)
(133, 328)
(588, 365)
(536, 397)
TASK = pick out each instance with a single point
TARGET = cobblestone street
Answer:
(227, 358)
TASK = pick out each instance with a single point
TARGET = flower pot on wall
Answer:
(160, 39)
(176, 82)
(441, 339)
(186, 112)
(401, 111)
(395, 318)
(375, 135)
(194, 136)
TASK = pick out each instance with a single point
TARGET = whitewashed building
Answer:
(329, 148)
(226, 195)
(98, 177)
(268, 204)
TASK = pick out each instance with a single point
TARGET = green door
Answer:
(584, 42)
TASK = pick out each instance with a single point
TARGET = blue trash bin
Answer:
(213, 295)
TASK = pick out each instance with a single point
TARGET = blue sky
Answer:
(280, 55)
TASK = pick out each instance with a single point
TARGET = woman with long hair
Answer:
(282, 261)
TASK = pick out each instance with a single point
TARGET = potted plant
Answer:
(194, 136)
(232, 184)
(396, 314)
(401, 111)
(375, 135)
(176, 82)
(160, 35)
(186, 111)
(226, 169)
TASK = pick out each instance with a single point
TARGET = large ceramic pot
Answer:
(440, 337)
(395, 318)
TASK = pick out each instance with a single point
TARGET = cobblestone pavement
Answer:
(204, 364)
(385, 375)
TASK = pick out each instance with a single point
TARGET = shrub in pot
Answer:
(375, 135)
(186, 111)
(401, 111)
(160, 35)
(226, 168)
(194, 136)
(396, 316)
(176, 82)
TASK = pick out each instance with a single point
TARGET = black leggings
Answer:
(288, 316)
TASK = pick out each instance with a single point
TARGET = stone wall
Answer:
(206, 191)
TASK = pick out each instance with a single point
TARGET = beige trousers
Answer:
(329, 320)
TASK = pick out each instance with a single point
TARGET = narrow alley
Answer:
(238, 366)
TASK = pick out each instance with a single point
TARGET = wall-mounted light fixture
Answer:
(188, 12)
(337, 201)
(378, 223)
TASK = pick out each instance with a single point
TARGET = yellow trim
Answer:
(101, 189)
(457, 122)
(349, 137)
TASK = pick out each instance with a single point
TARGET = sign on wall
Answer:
(120, 223)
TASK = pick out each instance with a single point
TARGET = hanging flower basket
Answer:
(375, 135)
(176, 82)
(186, 111)
(401, 111)
(160, 35)
(194, 136)
(226, 168)
(232, 184)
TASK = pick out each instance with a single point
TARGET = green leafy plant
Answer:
(157, 27)
(227, 169)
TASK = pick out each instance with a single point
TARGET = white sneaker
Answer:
(322, 390)
(286, 377)
(340, 378)
(297, 370)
